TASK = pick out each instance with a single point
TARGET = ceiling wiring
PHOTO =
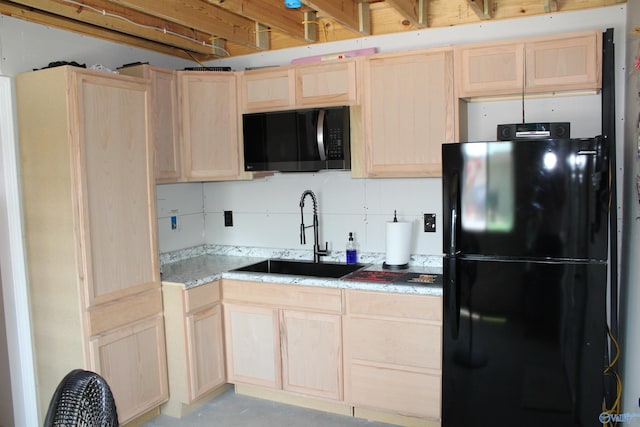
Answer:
(150, 27)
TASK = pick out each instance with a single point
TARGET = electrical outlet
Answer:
(228, 218)
(429, 223)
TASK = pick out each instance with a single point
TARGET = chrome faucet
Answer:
(317, 251)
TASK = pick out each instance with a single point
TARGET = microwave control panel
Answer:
(334, 144)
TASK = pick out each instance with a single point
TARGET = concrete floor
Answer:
(236, 410)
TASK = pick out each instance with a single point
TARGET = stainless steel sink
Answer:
(302, 268)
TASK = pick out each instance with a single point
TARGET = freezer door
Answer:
(523, 344)
(527, 199)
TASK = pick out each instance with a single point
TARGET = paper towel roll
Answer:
(398, 243)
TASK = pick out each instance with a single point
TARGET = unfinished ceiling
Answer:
(210, 29)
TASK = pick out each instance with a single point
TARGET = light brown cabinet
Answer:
(299, 86)
(90, 232)
(193, 321)
(209, 126)
(567, 62)
(392, 346)
(284, 337)
(128, 358)
(164, 119)
(408, 113)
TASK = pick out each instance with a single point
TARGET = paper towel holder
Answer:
(388, 266)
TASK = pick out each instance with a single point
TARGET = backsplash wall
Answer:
(266, 211)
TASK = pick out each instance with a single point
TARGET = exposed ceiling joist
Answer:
(271, 13)
(102, 14)
(200, 16)
(56, 21)
(206, 29)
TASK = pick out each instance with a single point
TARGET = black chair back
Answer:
(83, 398)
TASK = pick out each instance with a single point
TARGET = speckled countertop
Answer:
(204, 264)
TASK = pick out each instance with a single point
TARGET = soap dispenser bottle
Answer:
(352, 250)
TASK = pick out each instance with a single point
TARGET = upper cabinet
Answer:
(164, 119)
(548, 64)
(209, 131)
(407, 114)
(309, 85)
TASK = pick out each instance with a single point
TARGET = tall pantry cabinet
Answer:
(91, 239)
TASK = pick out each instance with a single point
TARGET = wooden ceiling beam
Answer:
(354, 15)
(9, 8)
(271, 13)
(415, 11)
(481, 8)
(149, 28)
(201, 16)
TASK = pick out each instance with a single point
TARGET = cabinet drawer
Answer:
(404, 343)
(406, 393)
(422, 307)
(315, 298)
(201, 296)
(124, 311)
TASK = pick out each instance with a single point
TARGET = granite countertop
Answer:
(207, 267)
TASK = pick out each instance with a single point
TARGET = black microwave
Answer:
(297, 140)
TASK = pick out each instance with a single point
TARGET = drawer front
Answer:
(424, 307)
(124, 311)
(405, 393)
(404, 343)
(311, 297)
(202, 296)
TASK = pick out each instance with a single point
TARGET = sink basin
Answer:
(302, 268)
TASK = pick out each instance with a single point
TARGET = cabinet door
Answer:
(205, 351)
(565, 63)
(164, 114)
(326, 84)
(132, 361)
(485, 70)
(164, 119)
(209, 125)
(312, 353)
(409, 113)
(116, 191)
(264, 90)
(252, 343)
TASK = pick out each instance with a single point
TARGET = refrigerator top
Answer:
(533, 199)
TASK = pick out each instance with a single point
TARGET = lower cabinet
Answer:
(195, 350)
(284, 337)
(130, 361)
(312, 353)
(392, 353)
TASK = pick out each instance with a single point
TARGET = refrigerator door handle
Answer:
(455, 191)
(454, 305)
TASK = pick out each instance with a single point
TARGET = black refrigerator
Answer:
(525, 280)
